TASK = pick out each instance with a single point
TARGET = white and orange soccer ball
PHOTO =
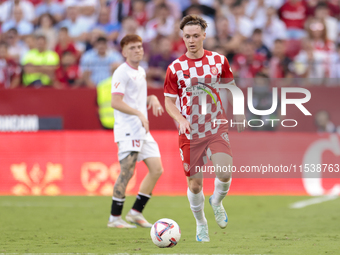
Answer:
(165, 233)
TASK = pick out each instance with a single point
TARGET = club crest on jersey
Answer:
(186, 167)
(225, 137)
(213, 70)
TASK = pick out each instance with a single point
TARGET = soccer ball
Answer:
(165, 233)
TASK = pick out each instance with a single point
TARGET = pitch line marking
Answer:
(313, 201)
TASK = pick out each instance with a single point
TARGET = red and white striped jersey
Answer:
(193, 80)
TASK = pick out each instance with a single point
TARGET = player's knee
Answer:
(224, 177)
(157, 172)
(195, 187)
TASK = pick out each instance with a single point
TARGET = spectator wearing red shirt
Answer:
(9, 70)
(65, 43)
(68, 73)
(247, 63)
(139, 12)
(333, 5)
(294, 13)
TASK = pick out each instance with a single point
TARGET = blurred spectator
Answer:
(247, 63)
(263, 100)
(259, 46)
(206, 7)
(273, 28)
(323, 123)
(9, 70)
(178, 45)
(68, 74)
(22, 26)
(279, 64)
(223, 39)
(159, 62)
(317, 33)
(65, 43)
(97, 64)
(119, 9)
(87, 9)
(322, 13)
(40, 65)
(333, 6)
(111, 30)
(238, 21)
(256, 11)
(46, 24)
(130, 26)
(311, 64)
(6, 10)
(16, 48)
(196, 9)
(162, 24)
(51, 7)
(93, 37)
(139, 12)
(174, 9)
(77, 27)
(294, 13)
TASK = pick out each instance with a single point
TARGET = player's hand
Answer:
(145, 122)
(156, 106)
(242, 120)
(184, 126)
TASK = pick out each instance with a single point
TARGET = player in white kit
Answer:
(131, 132)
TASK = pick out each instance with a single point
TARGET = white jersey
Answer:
(130, 83)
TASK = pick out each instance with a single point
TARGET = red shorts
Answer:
(194, 153)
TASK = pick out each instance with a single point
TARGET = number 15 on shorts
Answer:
(136, 143)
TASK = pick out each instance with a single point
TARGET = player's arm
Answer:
(171, 108)
(227, 73)
(170, 93)
(118, 104)
(153, 102)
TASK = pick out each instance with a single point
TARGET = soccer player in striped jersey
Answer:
(131, 132)
(188, 77)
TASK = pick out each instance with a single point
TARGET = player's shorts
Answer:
(146, 148)
(195, 152)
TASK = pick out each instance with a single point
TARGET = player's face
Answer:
(134, 51)
(193, 37)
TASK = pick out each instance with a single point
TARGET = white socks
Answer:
(197, 206)
(220, 191)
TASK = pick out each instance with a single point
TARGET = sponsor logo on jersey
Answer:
(116, 84)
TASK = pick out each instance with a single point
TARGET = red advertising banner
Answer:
(86, 163)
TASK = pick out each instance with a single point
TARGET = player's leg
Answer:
(223, 164)
(192, 156)
(150, 155)
(155, 171)
(127, 167)
(196, 199)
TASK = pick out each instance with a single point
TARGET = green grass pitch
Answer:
(257, 225)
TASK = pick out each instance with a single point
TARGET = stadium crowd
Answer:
(75, 43)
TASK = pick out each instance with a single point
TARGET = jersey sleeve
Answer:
(227, 74)
(170, 84)
(118, 82)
